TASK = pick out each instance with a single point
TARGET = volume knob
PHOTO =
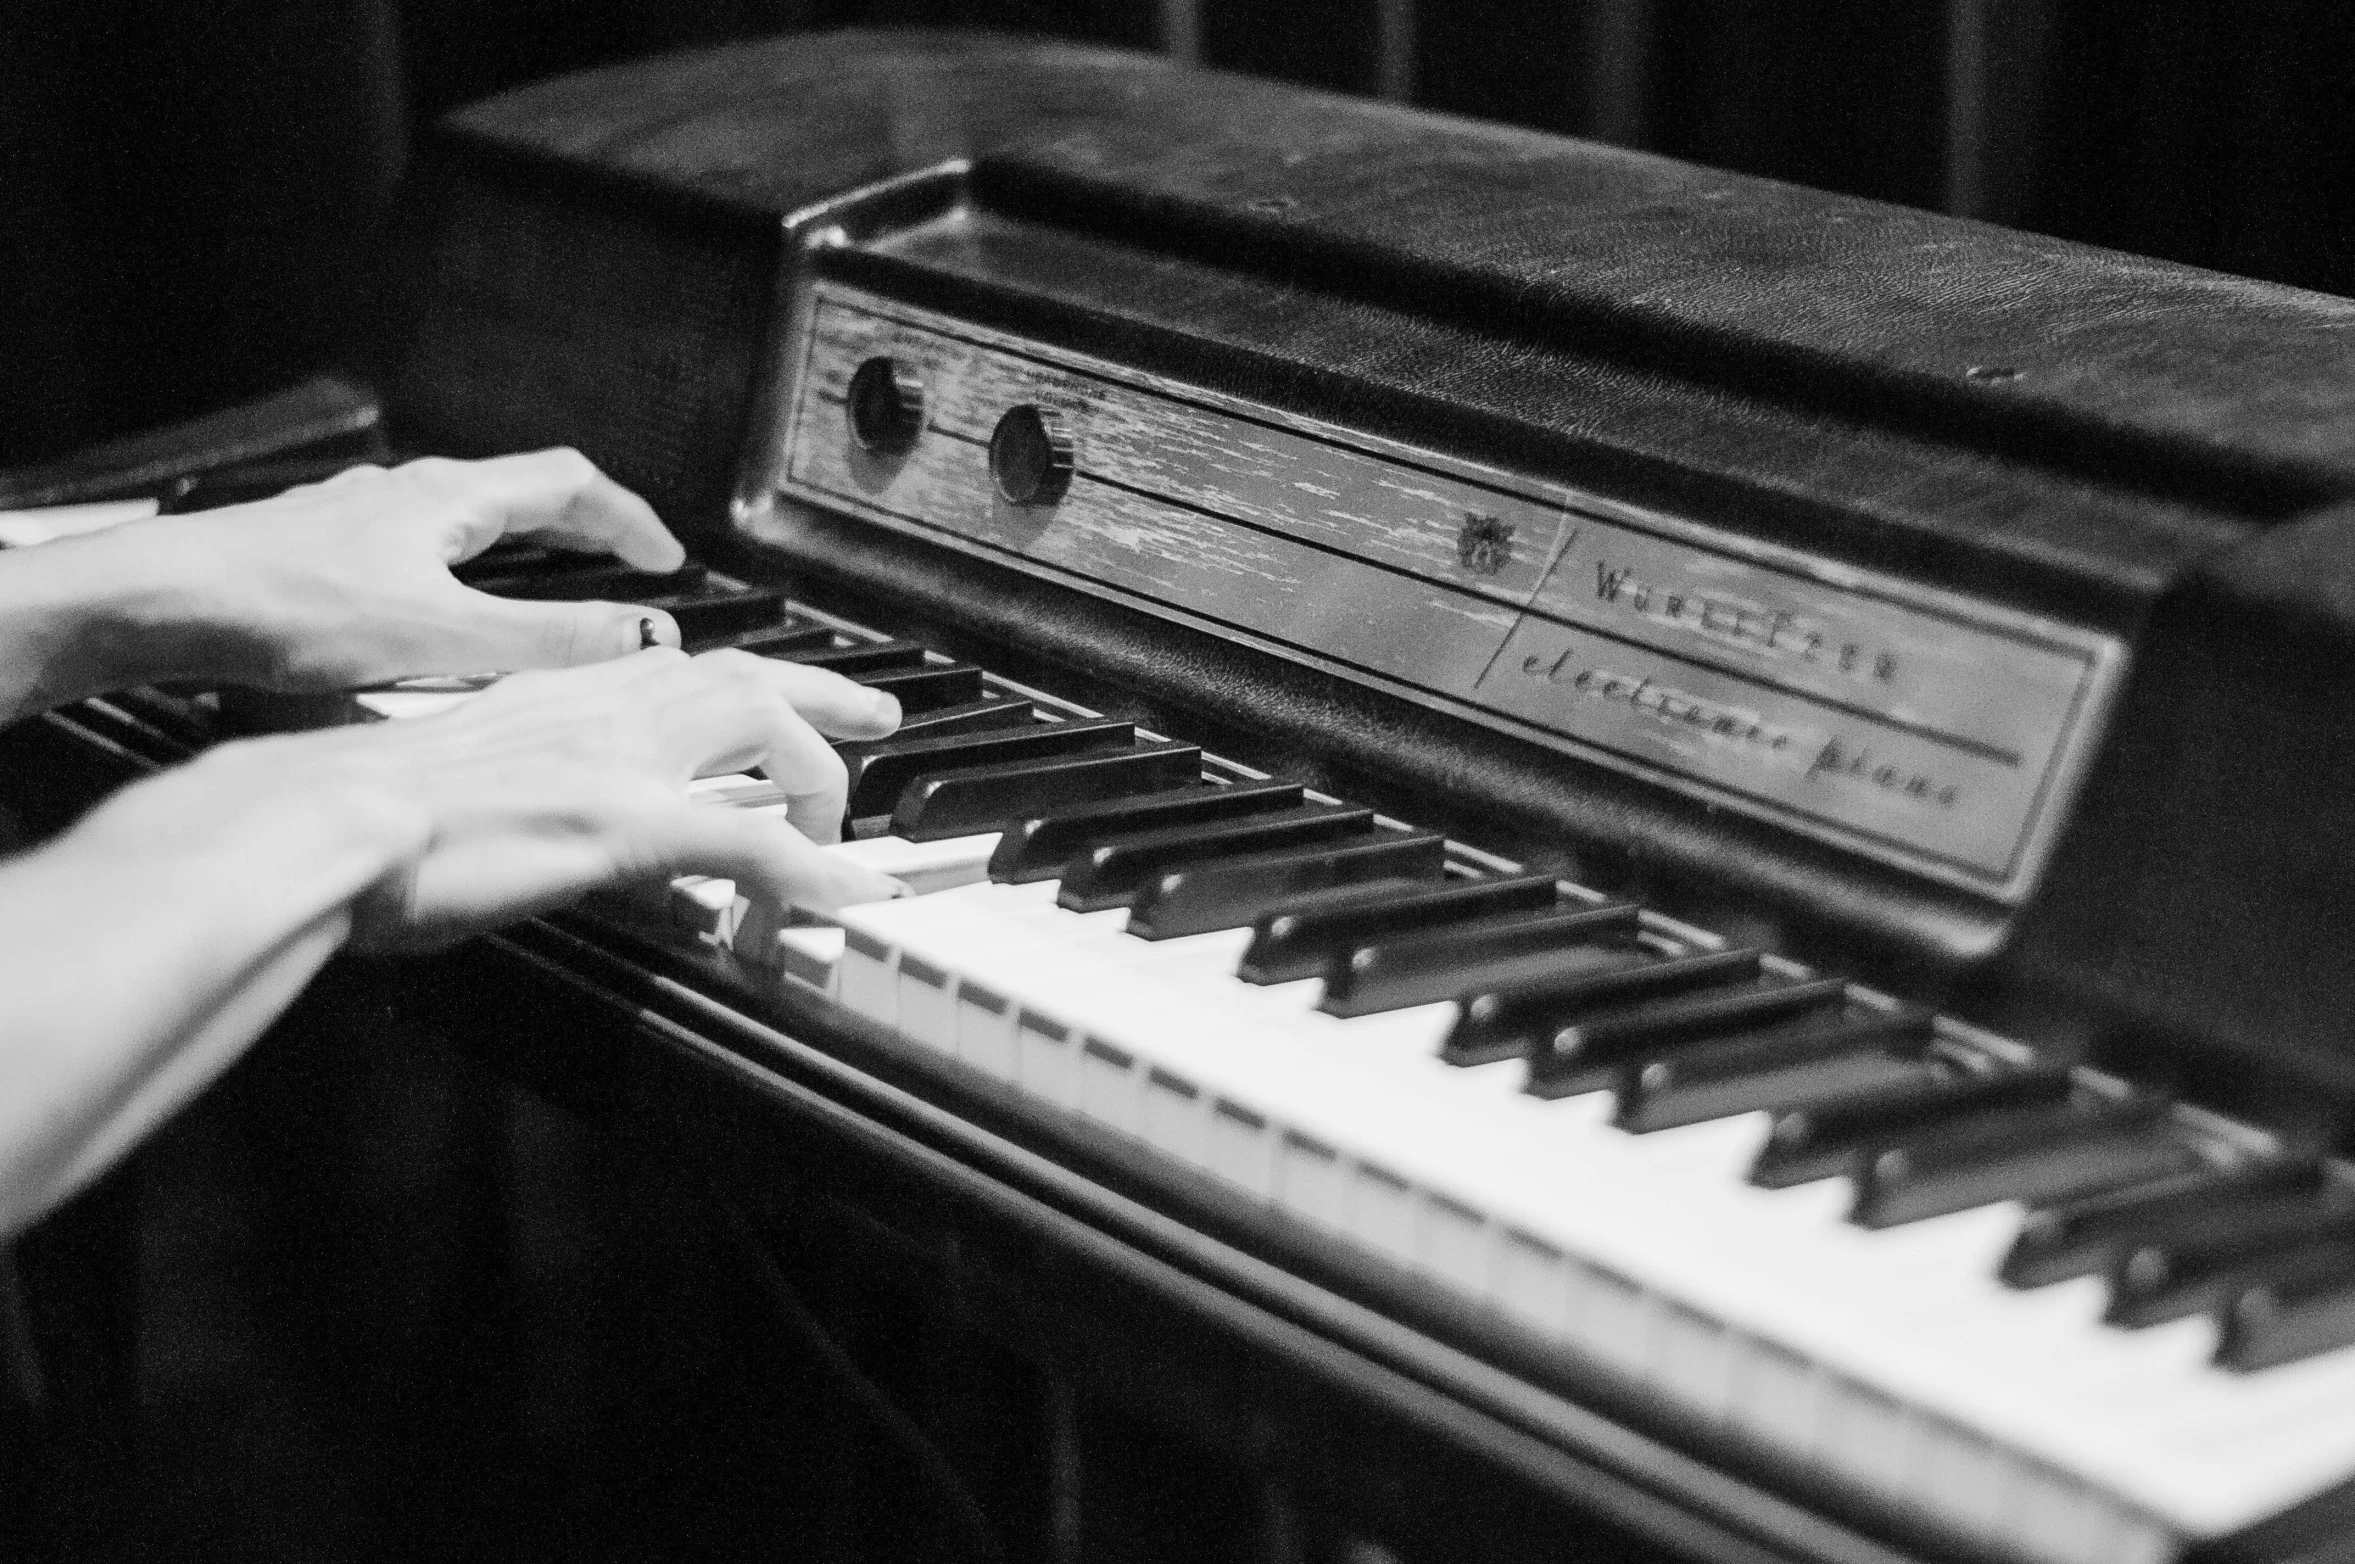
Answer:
(886, 405)
(1030, 455)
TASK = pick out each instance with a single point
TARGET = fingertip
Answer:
(873, 888)
(885, 712)
(641, 541)
(649, 628)
(651, 549)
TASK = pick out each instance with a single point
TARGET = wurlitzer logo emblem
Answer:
(1485, 544)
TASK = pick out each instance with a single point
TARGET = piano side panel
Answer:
(2203, 902)
(545, 307)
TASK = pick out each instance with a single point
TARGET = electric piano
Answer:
(1585, 829)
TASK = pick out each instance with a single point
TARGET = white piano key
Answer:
(704, 907)
(38, 524)
(1046, 1058)
(1959, 1475)
(1174, 1118)
(1692, 1357)
(985, 1029)
(1868, 1435)
(1533, 1283)
(866, 977)
(406, 705)
(1456, 1245)
(1382, 1212)
(927, 1007)
(1777, 1396)
(1611, 1316)
(1110, 1085)
(1239, 1146)
(924, 867)
(808, 956)
(1308, 1180)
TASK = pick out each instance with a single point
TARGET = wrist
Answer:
(295, 825)
(127, 606)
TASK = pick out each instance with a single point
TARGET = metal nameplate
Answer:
(1917, 726)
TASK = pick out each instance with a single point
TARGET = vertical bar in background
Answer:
(1394, 50)
(1619, 70)
(1995, 57)
(1967, 25)
(1181, 31)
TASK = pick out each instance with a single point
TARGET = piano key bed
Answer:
(2039, 1309)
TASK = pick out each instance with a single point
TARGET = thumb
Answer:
(520, 634)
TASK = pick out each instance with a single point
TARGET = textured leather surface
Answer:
(1940, 511)
(1824, 297)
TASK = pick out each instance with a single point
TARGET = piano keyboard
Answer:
(2048, 1310)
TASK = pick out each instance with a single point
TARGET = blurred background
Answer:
(193, 185)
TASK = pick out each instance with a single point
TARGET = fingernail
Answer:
(901, 889)
(646, 642)
(886, 707)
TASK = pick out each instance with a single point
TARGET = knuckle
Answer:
(570, 465)
(832, 774)
(727, 662)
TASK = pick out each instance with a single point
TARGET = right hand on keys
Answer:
(549, 785)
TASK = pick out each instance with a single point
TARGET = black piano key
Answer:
(985, 798)
(601, 579)
(973, 717)
(1589, 1055)
(1824, 1140)
(1295, 942)
(1114, 871)
(1037, 848)
(516, 559)
(2082, 1237)
(2047, 1154)
(2198, 1270)
(707, 618)
(780, 643)
(927, 689)
(1423, 966)
(881, 768)
(866, 657)
(1228, 893)
(1509, 1019)
(1820, 1060)
(2302, 1314)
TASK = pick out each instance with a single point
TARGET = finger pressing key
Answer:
(836, 706)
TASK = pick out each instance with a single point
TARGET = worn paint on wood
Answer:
(1908, 723)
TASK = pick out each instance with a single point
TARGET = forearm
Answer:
(136, 964)
(86, 615)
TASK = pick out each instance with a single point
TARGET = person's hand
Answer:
(549, 785)
(347, 582)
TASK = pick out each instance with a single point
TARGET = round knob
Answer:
(1030, 454)
(886, 405)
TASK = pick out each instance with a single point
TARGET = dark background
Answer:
(192, 186)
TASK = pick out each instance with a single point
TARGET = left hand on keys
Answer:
(347, 582)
